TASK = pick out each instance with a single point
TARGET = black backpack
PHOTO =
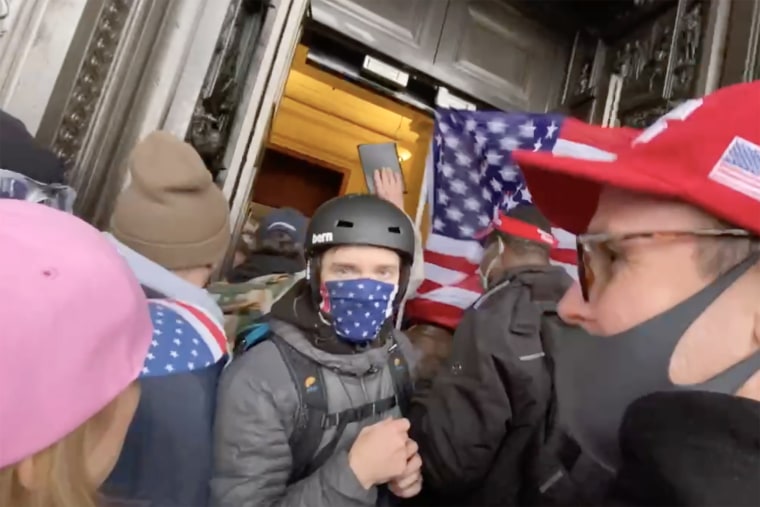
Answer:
(313, 417)
(554, 452)
(533, 463)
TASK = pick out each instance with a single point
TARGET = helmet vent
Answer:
(394, 230)
(345, 223)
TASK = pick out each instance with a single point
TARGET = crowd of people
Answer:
(129, 378)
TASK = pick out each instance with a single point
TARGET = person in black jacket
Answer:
(21, 153)
(666, 395)
(28, 170)
(278, 247)
(487, 413)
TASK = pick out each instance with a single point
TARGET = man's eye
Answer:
(613, 255)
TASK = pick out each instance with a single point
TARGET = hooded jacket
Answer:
(258, 403)
(158, 282)
(166, 457)
(478, 419)
(21, 153)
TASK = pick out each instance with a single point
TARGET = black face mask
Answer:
(598, 377)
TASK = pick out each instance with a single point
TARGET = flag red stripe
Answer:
(564, 255)
(435, 312)
(450, 262)
(428, 285)
(471, 283)
(209, 324)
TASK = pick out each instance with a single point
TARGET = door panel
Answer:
(407, 30)
(742, 54)
(278, 42)
(288, 181)
(491, 51)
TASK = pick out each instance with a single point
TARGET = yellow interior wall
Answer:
(325, 118)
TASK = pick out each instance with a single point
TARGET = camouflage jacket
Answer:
(242, 303)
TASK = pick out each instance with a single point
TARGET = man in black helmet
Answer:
(310, 413)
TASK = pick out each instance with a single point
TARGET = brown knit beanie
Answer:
(172, 212)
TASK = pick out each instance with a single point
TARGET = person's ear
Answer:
(501, 249)
(26, 471)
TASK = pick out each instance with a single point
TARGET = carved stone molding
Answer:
(5, 13)
(642, 61)
(643, 118)
(660, 62)
(91, 79)
(584, 70)
(583, 111)
(690, 34)
(221, 93)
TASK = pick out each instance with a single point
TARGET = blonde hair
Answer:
(61, 475)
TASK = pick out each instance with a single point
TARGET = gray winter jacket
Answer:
(256, 410)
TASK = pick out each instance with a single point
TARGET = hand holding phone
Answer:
(389, 185)
(379, 156)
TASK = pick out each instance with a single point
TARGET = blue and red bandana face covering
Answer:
(358, 308)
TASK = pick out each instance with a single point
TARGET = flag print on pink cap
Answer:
(185, 338)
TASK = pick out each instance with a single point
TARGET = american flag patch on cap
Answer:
(739, 168)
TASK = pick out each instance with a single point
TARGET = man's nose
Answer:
(572, 308)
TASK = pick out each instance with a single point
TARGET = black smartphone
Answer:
(378, 156)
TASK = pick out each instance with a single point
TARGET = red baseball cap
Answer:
(705, 152)
(518, 228)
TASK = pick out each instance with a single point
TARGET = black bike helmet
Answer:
(360, 219)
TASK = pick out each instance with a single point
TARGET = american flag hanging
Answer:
(473, 178)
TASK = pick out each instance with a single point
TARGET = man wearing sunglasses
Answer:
(667, 391)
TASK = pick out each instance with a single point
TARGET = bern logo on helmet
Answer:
(323, 237)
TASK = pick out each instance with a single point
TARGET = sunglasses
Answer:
(17, 186)
(601, 245)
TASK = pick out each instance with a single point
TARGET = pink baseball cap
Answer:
(75, 326)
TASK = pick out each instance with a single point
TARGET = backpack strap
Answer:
(401, 378)
(313, 418)
(342, 419)
(251, 334)
(553, 466)
(307, 433)
(400, 374)
(549, 326)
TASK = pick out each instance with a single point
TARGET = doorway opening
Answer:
(311, 151)
(296, 181)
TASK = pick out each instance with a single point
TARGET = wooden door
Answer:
(284, 180)
(493, 52)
